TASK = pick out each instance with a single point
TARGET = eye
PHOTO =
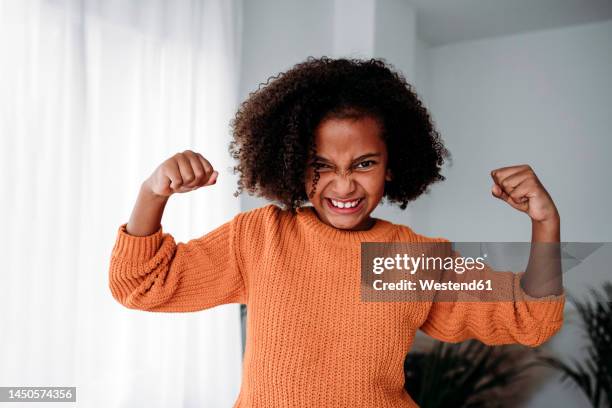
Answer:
(365, 164)
(320, 166)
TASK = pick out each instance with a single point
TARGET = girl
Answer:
(342, 135)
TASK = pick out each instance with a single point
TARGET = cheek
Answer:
(375, 185)
(376, 188)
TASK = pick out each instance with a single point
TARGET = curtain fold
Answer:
(93, 96)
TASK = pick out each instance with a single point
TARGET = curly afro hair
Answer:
(273, 130)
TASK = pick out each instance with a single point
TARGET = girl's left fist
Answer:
(521, 188)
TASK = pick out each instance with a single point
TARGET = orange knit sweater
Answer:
(310, 341)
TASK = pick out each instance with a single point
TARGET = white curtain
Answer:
(93, 96)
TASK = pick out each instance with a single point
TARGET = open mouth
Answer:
(344, 207)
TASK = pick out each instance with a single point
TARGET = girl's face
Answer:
(352, 160)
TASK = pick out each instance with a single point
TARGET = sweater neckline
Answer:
(381, 231)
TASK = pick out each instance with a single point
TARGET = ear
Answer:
(388, 175)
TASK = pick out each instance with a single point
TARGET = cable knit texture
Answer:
(311, 341)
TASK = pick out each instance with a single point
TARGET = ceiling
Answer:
(442, 22)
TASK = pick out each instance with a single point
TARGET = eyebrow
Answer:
(362, 157)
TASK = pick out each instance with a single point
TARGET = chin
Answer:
(348, 225)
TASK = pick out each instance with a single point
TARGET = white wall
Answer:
(542, 98)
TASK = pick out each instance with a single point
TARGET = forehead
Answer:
(344, 139)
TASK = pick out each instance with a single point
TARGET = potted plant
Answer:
(593, 375)
(467, 374)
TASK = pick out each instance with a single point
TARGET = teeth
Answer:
(349, 204)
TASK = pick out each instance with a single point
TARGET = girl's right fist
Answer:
(181, 173)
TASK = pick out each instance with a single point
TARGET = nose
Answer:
(344, 184)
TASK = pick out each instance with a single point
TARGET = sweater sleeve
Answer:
(517, 318)
(153, 273)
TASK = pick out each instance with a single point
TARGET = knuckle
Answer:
(197, 170)
(199, 176)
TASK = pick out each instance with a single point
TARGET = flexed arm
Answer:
(522, 190)
(150, 271)
(530, 308)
